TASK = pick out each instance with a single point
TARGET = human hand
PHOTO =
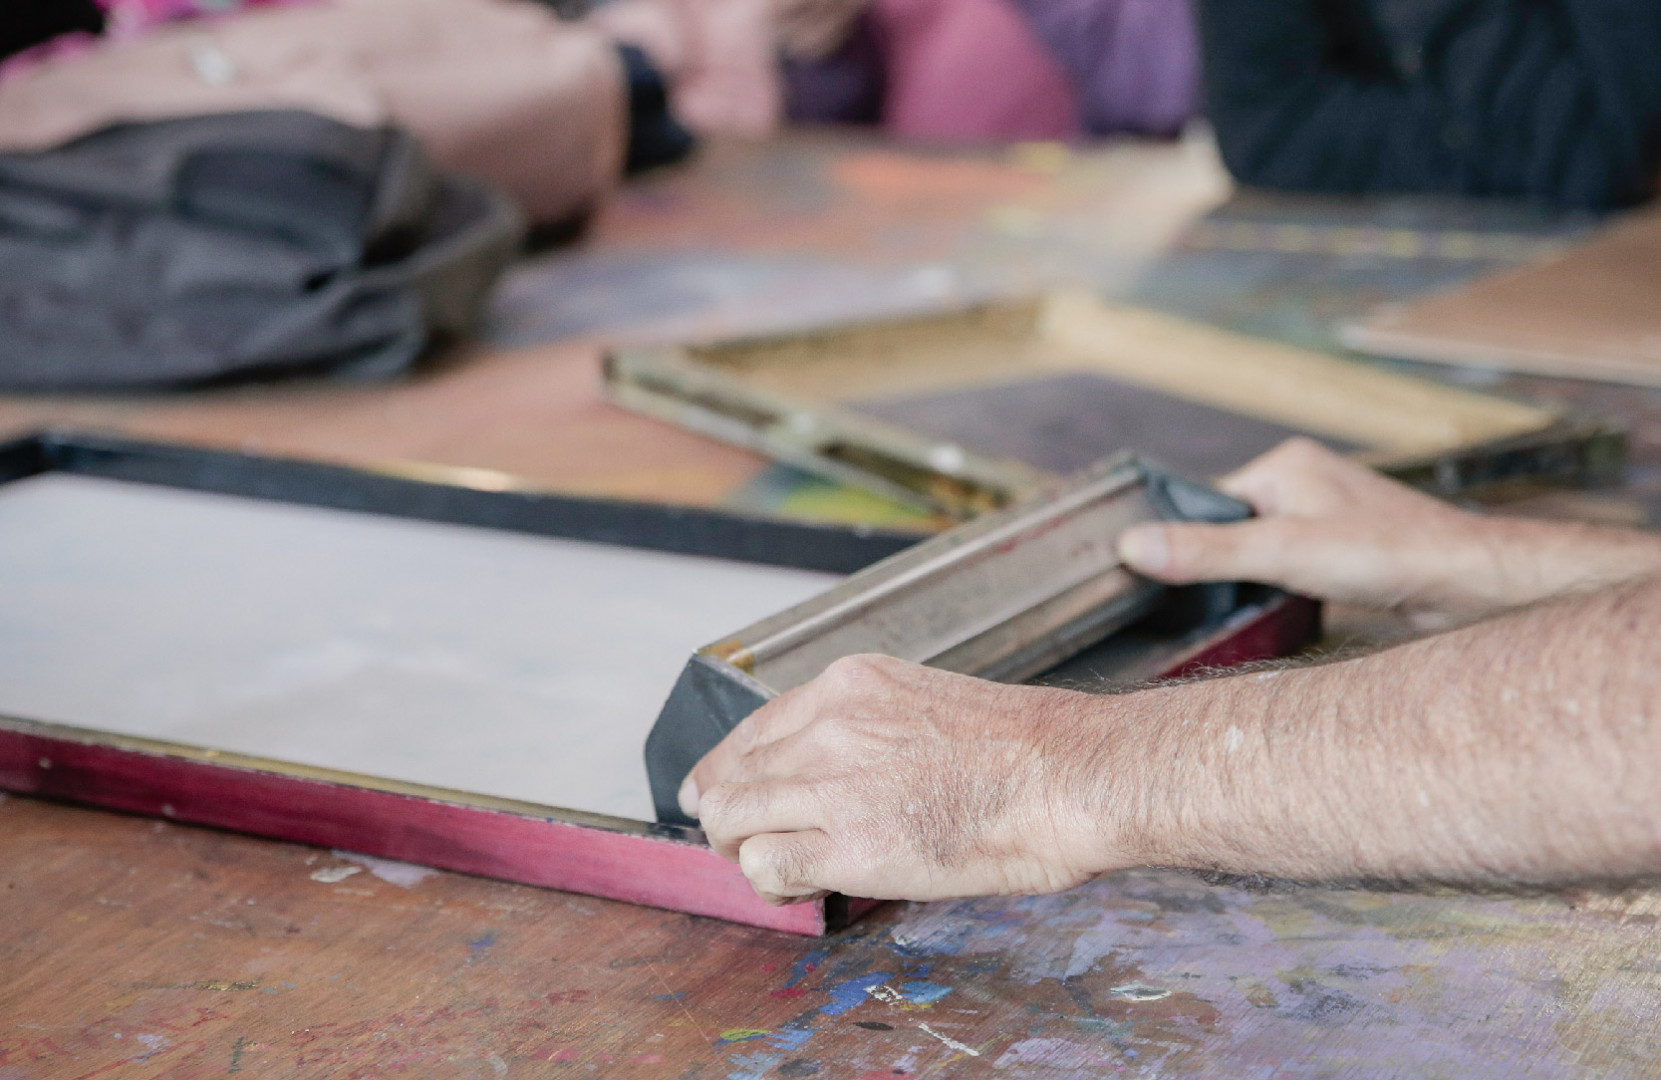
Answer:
(1330, 528)
(886, 779)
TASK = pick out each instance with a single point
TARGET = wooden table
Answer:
(141, 949)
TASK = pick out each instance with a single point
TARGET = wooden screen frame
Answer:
(663, 866)
(784, 395)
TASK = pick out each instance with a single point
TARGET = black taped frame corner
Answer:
(1190, 607)
(709, 699)
(1180, 499)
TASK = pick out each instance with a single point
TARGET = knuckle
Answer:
(836, 741)
(716, 806)
(853, 673)
(790, 864)
(1301, 448)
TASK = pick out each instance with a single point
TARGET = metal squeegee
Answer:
(1004, 597)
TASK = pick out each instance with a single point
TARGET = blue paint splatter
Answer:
(789, 1038)
(924, 993)
(846, 995)
(670, 997)
(753, 1066)
(804, 967)
(481, 944)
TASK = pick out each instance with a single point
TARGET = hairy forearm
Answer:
(1522, 561)
(1524, 748)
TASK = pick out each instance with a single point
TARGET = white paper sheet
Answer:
(496, 663)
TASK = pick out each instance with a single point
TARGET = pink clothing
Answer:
(970, 71)
(132, 16)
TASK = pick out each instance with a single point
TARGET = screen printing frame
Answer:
(782, 395)
(659, 865)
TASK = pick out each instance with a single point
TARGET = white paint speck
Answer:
(935, 281)
(328, 875)
(1139, 992)
(950, 1042)
(211, 64)
(152, 1042)
(46, 763)
(1233, 739)
(402, 874)
(497, 1065)
(887, 994)
(1424, 797)
(947, 457)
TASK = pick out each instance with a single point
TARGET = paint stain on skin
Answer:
(329, 875)
(873, 1025)
(478, 945)
(797, 1067)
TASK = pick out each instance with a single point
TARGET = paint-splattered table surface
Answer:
(133, 948)
(145, 950)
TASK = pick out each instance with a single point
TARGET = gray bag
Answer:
(207, 248)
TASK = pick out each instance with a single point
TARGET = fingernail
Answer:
(688, 798)
(1144, 547)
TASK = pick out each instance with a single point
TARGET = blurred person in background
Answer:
(1556, 101)
(991, 70)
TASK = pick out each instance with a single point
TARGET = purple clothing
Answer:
(1135, 63)
(846, 87)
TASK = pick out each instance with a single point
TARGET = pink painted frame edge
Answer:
(522, 842)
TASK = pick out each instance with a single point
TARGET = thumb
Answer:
(1185, 553)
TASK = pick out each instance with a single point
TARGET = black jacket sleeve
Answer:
(27, 23)
(1558, 101)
